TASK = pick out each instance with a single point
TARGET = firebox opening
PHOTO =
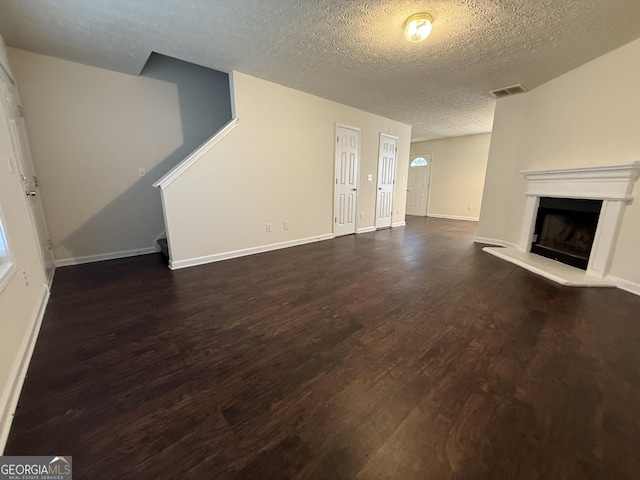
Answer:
(565, 229)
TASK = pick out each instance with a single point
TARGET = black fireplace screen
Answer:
(565, 229)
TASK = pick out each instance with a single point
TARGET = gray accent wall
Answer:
(93, 130)
(203, 96)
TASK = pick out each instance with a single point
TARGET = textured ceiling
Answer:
(351, 51)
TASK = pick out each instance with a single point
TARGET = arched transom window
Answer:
(419, 162)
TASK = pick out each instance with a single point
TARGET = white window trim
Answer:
(7, 271)
(7, 267)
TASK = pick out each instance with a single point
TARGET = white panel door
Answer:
(418, 184)
(27, 174)
(346, 180)
(386, 179)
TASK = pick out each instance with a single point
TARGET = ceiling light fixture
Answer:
(418, 27)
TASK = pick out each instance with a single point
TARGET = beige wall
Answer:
(24, 294)
(277, 165)
(457, 174)
(91, 130)
(587, 117)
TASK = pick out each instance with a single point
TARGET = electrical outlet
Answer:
(286, 224)
(370, 177)
(469, 208)
(142, 172)
(268, 227)
(512, 226)
(361, 215)
(398, 212)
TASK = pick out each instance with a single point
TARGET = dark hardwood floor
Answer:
(401, 354)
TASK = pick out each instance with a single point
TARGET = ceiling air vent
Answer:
(506, 91)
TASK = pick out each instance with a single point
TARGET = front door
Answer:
(26, 171)
(386, 179)
(418, 184)
(346, 180)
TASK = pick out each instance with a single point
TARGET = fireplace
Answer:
(565, 229)
(597, 197)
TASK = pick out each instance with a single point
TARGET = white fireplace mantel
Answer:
(600, 183)
(611, 184)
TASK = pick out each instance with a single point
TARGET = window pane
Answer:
(419, 162)
(4, 253)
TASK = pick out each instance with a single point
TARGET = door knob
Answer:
(30, 194)
(354, 189)
(379, 188)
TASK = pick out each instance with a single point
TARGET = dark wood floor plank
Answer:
(401, 354)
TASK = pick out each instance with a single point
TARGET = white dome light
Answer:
(418, 27)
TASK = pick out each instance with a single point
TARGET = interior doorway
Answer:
(387, 152)
(418, 184)
(346, 180)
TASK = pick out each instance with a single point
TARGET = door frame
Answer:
(23, 161)
(395, 171)
(412, 157)
(335, 173)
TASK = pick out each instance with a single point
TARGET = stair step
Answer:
(164, 246)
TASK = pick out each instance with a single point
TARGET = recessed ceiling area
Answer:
(351, 52)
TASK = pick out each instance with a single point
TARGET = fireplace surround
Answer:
(612, 185)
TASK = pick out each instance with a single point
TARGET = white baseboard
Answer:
(217, 257)
(625, 285)
(398, 224)
(18, 373)
(64, 262)
(452, 217)
(495, 241)
(366, 230)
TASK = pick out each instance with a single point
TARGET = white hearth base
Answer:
(555, 271)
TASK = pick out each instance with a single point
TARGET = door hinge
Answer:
(49, 245)
(336, 181)
(35, 181)
(335, 219)
(337, 139)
